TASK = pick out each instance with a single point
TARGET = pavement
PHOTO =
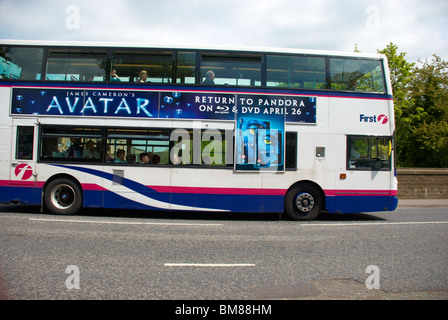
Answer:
(423, 203)
(350, 289)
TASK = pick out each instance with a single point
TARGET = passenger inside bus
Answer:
(130, 158)
(121, 154)
(75, 150)
(145, 158)
(209, 78)
(156, 159)
(114, 76)
(143, 75)
(90, 152)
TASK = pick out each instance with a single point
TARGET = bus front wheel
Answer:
(303, 202)
(63, 196)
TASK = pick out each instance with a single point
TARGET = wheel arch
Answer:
(60, 176)
(315, 185)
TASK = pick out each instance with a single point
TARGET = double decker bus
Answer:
(108, 125)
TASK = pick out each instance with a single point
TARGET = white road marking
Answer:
(129, 223)
(209, 265)
(220, 224)
(371, 224)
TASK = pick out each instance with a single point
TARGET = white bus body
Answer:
(311, 166)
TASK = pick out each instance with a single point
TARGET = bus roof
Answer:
(142, 45)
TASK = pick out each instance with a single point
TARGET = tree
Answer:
(421, 109)
(429, 131)
(401, 75)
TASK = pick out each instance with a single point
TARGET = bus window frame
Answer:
(107, 132)
(146, 53)
(258, 58)
(369, 163)
(109, 51)
(42, 62)
(103, 52)
(329, 59)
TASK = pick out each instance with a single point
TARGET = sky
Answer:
(417, 27)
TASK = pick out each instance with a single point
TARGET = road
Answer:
(113, 254)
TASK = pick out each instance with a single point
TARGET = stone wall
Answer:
(421, 183)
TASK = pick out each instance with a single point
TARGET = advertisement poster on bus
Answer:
(197, 105)
(86, 103)
(259, 134)
(154, 104)
(259, 119)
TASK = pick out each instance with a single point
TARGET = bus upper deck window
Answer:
(76, 65)
(295, 72)
(231, 69)
(129, 65)
(357, 75)
(20, 63)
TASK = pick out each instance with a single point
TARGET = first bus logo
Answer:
(382, 118)
(23, 171)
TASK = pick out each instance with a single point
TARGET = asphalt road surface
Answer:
(114, 254)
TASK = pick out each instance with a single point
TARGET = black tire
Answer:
(303, 202)
(63, 196)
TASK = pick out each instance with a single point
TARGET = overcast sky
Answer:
(417, 27)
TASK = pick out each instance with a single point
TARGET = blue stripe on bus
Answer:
(230, 202)
(240, 202)
(355, 204)
(215, 202)
(131, 184)
(21, 194)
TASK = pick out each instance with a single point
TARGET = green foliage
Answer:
(421, 109)
(429, 91)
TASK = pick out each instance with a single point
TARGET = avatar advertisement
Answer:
(154, 104)
(259, 118)
(86, 103)
(259, 134)
(186, 105)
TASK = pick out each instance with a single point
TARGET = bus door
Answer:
(23, 152)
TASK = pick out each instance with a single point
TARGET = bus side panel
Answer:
(113, 200)
(233, 202)
(273, 203)
(20, 194)
(202, 202)
(5, 145)
(93, 198)
(357, 204)
(217, 191)
(212, 202)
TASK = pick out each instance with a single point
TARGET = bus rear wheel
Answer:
(63, 196)
(303, 202)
